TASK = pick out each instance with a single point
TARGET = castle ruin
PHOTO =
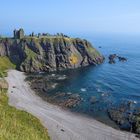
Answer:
(18, 34)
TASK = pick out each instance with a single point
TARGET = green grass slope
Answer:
(18, 125)
(5, 64)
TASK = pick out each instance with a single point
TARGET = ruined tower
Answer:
(19, 34)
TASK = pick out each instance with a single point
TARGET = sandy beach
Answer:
(61, 124)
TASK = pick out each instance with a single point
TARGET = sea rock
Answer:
(112, 58)
(122, 58)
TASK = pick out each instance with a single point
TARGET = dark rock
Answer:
(136, 124)
(113, 57)
(62, 130)
(126, 117)
(72, 101)
(122, 58)
(116, 115)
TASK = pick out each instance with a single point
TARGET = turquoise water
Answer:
(108, 84)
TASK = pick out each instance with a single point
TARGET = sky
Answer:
(70, 16)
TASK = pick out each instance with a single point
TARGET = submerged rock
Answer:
(117, 115)
(126, 116)
(72, 101)
(93, 100)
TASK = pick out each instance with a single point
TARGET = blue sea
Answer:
(108, 84)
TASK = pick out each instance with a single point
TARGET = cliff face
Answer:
(50, 53)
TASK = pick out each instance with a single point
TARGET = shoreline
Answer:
(61, 124)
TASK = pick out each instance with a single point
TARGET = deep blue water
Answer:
(109, 84)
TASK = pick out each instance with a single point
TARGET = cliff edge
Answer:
(51, 53)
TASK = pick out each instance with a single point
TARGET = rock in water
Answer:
(122, 58)
(32, 54)
(113, 57)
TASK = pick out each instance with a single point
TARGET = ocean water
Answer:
(107, 84)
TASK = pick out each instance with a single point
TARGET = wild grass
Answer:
(18, 125)
(5, 64)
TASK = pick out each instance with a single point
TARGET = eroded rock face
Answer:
(50, 53)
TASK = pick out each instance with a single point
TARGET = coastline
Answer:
(61, 124)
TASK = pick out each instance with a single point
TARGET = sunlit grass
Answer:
(5, 64)
(18, 125)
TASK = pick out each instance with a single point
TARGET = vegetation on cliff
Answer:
(50, 53)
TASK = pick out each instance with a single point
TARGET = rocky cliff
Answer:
(32, 54)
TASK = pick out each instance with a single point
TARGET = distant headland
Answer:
(45, 52)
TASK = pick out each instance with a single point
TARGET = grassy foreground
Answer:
(16, 124)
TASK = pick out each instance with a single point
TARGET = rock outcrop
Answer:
(127, 116)
(112, 58)
(32, 54)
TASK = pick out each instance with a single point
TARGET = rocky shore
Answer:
(61, 124)
(126, 115)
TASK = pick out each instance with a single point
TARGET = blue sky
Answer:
(71, 16)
